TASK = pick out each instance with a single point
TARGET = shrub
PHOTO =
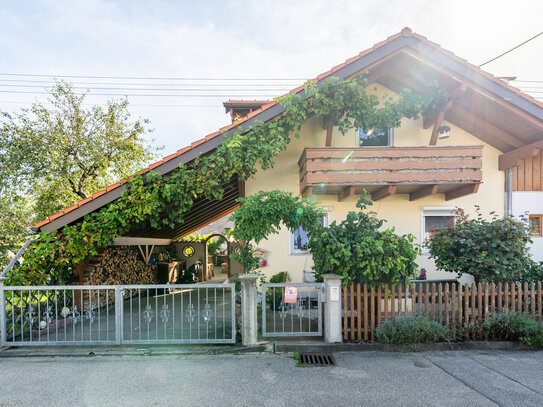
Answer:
(411, 330)
(281, 277)
(490, 250)
(360, 250)
(533, 272)
(506, 326)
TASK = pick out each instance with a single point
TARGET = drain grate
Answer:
(316, 359)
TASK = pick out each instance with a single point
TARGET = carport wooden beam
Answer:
(140, 241)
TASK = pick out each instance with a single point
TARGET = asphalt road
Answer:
(474, 378)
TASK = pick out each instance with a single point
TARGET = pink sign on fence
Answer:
(291, 295)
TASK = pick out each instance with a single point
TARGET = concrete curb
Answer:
(284, 347)
(144, 350)
(269, 347)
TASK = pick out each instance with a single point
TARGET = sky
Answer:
(235, 49)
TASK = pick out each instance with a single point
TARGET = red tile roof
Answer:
(406, 32)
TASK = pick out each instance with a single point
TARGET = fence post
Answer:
(118, 314)
(3, 335)
(248, 309)
(332, 308)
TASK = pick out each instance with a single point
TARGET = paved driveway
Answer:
(369, 379)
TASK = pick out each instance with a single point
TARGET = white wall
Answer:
(530, 202)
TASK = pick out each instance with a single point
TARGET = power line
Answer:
(136, 94)
(151, 78)
(52, 83)
(512, 49)
(157, 89)
(131, 105)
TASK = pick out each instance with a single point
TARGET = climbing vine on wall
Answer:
(161, 201)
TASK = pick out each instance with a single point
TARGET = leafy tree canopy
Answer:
(15, 214)
(53, 155)
(263, 214)
(61, 152)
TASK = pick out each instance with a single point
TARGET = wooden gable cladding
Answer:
(528, 174)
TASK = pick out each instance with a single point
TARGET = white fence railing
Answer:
(101, 315)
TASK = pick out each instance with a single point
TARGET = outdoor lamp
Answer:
(444, 132)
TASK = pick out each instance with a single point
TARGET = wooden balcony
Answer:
(418, 171)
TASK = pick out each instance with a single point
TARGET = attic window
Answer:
(374, 137)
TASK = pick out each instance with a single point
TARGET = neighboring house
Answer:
(417, 173)
(527, 197)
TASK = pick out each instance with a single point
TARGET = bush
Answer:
(360, 250)
(281, 277)
(533, 272)
(411, 330)
(491, 250)
(506, 326)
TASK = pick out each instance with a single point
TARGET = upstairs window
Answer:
(374, 138)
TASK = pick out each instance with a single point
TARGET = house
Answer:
(483, 147)
(527, 197)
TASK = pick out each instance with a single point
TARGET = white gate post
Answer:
(3, 335)
(118, 314)
(248, 309)
(332, 308)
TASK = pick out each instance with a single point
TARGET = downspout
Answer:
(15, 258)
(509, 192)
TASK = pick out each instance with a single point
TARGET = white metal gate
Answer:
(101, 315)
(300, 318)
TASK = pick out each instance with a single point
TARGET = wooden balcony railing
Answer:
(444, 169)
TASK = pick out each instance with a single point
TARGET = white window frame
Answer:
(391, 139)
(296, 252)
(434, 211)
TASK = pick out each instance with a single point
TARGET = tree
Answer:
(491, 250)
(59, 154)
(361, 251)
(14, 220)
(52, 156)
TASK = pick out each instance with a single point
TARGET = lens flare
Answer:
(322, 185)
(347, 157)
(418, 79)
(299, 211)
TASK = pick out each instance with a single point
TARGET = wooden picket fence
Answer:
(454, 305)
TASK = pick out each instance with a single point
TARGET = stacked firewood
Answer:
(118, 265)
(122, 265)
